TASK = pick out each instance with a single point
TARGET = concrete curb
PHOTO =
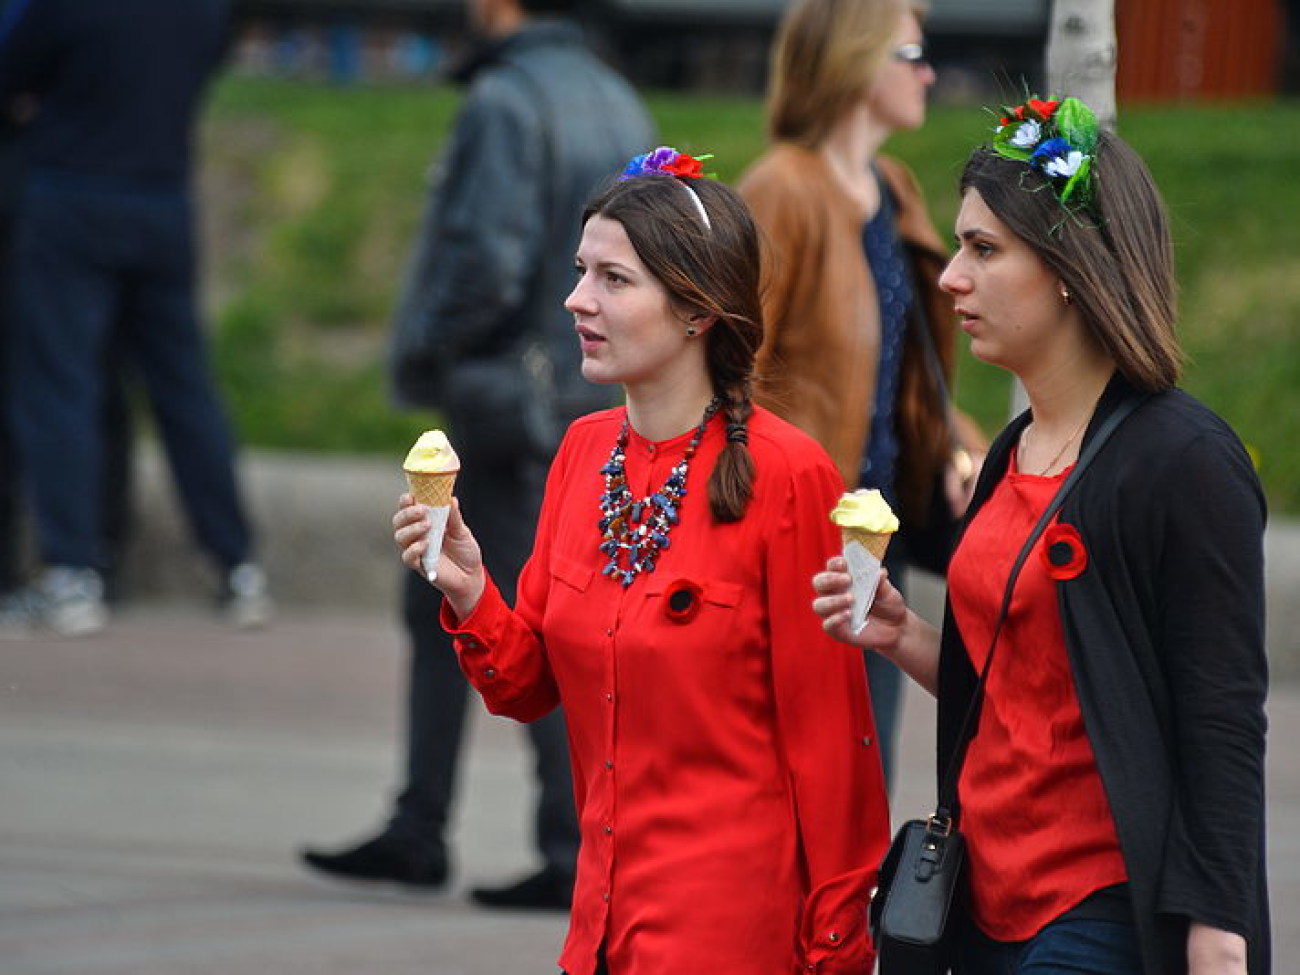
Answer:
(325, 540)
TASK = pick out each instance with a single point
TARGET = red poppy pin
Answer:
(682, 600)
(1063, 552)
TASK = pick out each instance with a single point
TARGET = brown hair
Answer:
(1115, 257)
(824, 58)
(714, 270)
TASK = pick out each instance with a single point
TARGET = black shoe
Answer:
(386, 858)
(549, 890)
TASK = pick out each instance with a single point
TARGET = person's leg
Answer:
(437, 702)
(978, 954)
(119, 474)
(501, 506)
(11, 572)
(1068, 947)
(411, 849)
(556, 821)
(63, 287)
(62, 298)
(1082, 947)
(163, 334)
(11, 170)
(885, 681)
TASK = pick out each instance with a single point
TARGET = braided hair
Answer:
(711, 268)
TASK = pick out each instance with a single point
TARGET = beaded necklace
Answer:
(621, 526)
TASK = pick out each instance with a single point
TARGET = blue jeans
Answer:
(1069, 947)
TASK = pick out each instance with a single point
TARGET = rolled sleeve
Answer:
(502, 658)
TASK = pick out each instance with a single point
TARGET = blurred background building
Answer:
(1169, 49)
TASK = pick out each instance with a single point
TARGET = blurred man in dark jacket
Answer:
(482, 334)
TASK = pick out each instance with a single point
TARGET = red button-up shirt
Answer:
(728, 782)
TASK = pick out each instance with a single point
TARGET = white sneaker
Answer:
(245, 596)
(67, 600)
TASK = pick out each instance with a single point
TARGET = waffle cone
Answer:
(874, 542)
(433, 489)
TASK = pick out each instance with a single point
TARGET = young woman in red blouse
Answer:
(1113, 794)
(728, 780)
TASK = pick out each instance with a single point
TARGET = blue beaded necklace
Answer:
(624, 533)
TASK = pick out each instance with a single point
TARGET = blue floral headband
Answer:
(1058, 138)
(666, 161)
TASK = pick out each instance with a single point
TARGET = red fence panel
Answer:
(1181, 50)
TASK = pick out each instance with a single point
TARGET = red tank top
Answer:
(1033, 807)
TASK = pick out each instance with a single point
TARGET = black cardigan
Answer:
(1165, 633)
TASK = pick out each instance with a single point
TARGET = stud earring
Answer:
(692, 331)
(1066, 298)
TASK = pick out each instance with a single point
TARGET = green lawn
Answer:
(312, 194)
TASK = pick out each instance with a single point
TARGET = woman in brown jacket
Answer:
(858, 348)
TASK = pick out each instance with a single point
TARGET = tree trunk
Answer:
(1081, 55)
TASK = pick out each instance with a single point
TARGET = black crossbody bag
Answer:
(922, 878)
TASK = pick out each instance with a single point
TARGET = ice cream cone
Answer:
(431, 467)
(874, 542)
(866, 526)
(432, 488)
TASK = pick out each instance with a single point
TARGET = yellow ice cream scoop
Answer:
(865, 510)
(432, 453)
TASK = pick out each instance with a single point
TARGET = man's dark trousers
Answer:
(90, 255)
(500, 504)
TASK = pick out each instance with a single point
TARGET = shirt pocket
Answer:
(571, 573)
(707, 624)
(685, 601)
(569, 597)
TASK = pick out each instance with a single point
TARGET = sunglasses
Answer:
(913, 54)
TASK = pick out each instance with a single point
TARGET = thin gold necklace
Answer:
(1024, 444)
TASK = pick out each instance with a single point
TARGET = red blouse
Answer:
(1033, 808)
(728, 782)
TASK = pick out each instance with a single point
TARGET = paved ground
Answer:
(156, 780)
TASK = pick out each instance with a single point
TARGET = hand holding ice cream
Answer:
(867, 523)
(431, 467)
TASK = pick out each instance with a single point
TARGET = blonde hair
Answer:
(824, 58)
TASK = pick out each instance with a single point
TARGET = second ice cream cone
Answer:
(877, 543)
(866, 526)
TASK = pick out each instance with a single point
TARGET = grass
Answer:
(312, 195)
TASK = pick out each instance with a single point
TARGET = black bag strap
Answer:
(943, 817)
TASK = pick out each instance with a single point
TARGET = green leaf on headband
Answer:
(1078, 184)
(1077, 124)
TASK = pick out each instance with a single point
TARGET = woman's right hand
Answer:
(891, 629)
(460, 575)
(885, 621)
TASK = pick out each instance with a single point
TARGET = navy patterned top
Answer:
(884, 253)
